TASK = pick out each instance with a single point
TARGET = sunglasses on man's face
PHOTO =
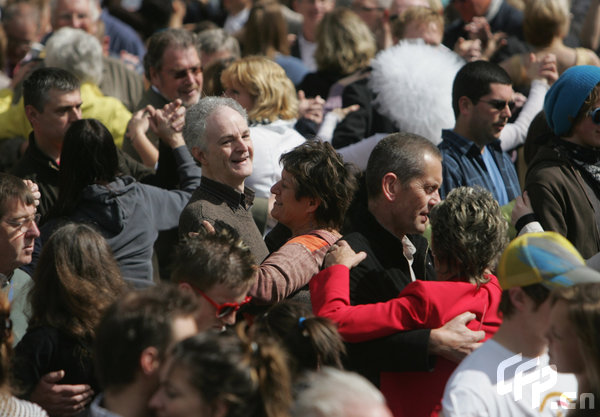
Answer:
(595, 115)
(500, 104)
(224, 309)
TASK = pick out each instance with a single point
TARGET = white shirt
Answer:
(270, 141)
(493, 381)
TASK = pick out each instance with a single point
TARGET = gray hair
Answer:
(334, 393)
(213, 40)
(399, 153)
(194, 131)
(159, 42)
(76, 51)
(94, 9)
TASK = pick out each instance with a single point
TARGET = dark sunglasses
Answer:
(500, 104)
(595, 115)
(184, 72)
(224, 309)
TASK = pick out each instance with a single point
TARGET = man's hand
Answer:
(341, 253)
(454, 340)
(60, 400)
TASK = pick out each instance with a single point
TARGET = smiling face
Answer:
(563, 343)
(294, 213)
(16, 245)
(415, 199)
(484, 121)
(229, 152)
(180, 75)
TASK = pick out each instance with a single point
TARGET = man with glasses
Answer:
(18, 230)
(376, 14)
(563, 178)
(173, 67)
(220, 270)
(482, 97)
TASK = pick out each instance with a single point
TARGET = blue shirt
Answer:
(463, 165)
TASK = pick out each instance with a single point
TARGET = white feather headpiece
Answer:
(413, 86)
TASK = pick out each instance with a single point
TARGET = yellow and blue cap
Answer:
(545, 258)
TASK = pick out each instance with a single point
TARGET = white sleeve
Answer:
(463, 402)
(514, 134)
(330, 122)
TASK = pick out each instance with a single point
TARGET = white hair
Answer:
(332, 392)
(94, 9)
(77, 52)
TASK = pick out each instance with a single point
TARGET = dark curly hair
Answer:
(320, 172)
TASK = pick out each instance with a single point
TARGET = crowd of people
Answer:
(264, 208)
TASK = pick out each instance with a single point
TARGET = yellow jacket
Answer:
(109, 110)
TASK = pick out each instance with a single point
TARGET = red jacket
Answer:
(422, 304)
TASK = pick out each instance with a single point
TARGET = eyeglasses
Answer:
(367, 9)
(224, 309)
(184, 72)
(25, 225)
(595, 115)
(500, 104)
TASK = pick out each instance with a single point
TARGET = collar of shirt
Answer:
(466, 146)
(228, 194)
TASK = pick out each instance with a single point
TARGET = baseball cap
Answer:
(545, 258)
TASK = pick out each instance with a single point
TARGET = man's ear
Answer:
(464, 105)
(518, 298)
(153, 76)
(198, 155)
(390, 186)
(31, 113)
(149, 361)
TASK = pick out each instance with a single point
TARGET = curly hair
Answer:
(320, 172)
(468, 229)
(274, 93)
(345, 43)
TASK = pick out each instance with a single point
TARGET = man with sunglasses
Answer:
(482, 101)
(220, 270)
(563, 180)
(173, 67)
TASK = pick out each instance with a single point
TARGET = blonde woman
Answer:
(263, 89)
(345, 47)
(545, 25)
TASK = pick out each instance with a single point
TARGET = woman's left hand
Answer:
(341, 253)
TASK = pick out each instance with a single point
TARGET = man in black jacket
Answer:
(403, 177)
